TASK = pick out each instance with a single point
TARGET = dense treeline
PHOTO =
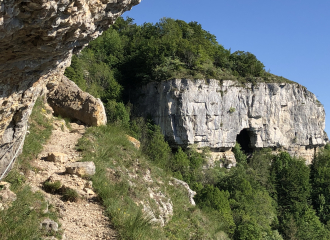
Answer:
(264, 197)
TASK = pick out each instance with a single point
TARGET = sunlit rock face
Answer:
(37, 39)
(216, 114)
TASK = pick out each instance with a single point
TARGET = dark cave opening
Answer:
(244, 139)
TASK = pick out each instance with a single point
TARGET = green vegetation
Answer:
(70, 195)
(128, 55)
(232, 109)
(116, 158)
(52, 187)
(22, 219)
(266, 196)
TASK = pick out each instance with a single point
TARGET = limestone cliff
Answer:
(37, 39)
(216, 114)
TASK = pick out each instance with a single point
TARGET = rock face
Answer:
(68, 100)
(37, 39)
(216, 114)
(190, 192)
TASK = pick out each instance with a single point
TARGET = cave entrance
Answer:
(244, 139)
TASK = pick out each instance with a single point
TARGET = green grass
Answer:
(70, 195)
(110, 150)
(22, 220)
(108, 147)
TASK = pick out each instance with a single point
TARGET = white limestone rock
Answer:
(212, 113)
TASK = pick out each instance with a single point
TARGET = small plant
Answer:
(70, 195)
(232, 109)
(294, 140)
(52, 187)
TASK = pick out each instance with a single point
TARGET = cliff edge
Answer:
(216, 114)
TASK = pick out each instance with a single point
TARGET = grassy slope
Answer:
(111, 151)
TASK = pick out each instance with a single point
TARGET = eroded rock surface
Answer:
(216, 114)
(190, 192)
(68, 100)
(37, 39)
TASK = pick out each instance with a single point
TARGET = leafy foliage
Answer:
(320, 180)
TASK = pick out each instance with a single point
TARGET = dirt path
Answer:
(82, 220)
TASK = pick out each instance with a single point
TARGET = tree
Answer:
(320, 180)
(246, 64)
(239, 155)
(211, 197)
(156, 147)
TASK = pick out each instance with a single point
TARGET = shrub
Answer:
(52, 187)
(70, 195)
(239, 155)
(156, 147)
(118, 113)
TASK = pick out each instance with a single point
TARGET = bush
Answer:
(239, 155)
(156, 148)
(70, 195)
(52, 187)
(118, 113)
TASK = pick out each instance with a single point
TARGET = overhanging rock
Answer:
(37, 39)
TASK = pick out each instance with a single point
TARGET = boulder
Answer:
(49, 225)
(81, 168)
(57, 157)
(134, 141)
(68, 100)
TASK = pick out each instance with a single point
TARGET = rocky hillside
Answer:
(216, 114)
(37, 39)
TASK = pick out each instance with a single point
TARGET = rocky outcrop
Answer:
(7, 197)
(216, 114)
(136, 143)
(68, 100)
(190, 192)
(37, 39)
(81, 168)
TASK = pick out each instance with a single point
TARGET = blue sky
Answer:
(291, 37)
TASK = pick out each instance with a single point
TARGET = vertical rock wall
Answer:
(37, 39)
(214, 113)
